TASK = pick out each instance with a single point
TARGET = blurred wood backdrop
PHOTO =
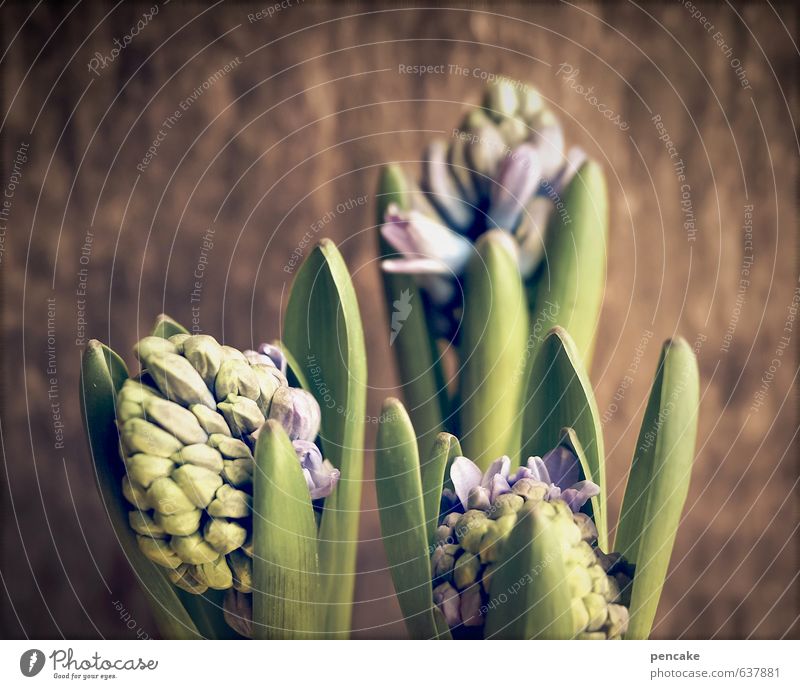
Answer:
(312, 101)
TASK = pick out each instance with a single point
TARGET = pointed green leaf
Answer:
(323, 332)
(569, 291)
(285, 567)
(445, 450)
(569, 439)
(414, 347)
(402, 514)
(102, 375)
(659, 480)
(530, 596)
(166, 327)
(495, 328)
(560, 395)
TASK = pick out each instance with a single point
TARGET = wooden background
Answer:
(313, 102)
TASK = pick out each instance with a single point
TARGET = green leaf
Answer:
(102, 375)
(569, 439)
(444, 451)
(166, 327)
(569, 291)
(530, 596)
(495, 328)
(402, 514)
(415, 348)
(659, 480)
(442, 628)
(559, 395)
(285, 567)
(323, 332)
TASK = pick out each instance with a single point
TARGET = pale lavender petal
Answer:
(518, 178)
(576, 157)
(321, 476)
(522, 472)
(562, 467)
(415, 235)
(579, 494)
(500, 485)
(479, 498)
(446, 598)
(415, 266)
(255, 358)
(497, 467)
(439, 181)
(538, 470)
(465, 475)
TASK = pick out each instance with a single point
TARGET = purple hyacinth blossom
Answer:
(321, 476)
(470, 482)
(560, 469)
(428, 249)
(519, 177)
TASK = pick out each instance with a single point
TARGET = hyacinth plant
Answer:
(504, 238)
(521, 550)
(232, 490)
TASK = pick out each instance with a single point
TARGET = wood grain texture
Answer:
(284, 147)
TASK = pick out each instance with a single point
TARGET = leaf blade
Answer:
(494, 332)
(659, 480)
(166, 327)
(402, 516)
(445, 449)
(415, 348)
(285, 565)
(323, 331)
(574, 274)
(560, 395)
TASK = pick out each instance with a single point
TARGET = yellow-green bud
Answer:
(201, 456)
(197, 483)
(230, 502)
(193, 550)
(144, 525)
(140, 436)
(236, 377)
(224, 536)
(205, 354)
(181, 524)
(166, 497)
(178, 381)
(144, 469)
(159, 552)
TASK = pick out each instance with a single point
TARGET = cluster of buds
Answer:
(188, 427)
(504, 168)
(475, 527)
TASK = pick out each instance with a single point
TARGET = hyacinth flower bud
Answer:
(177, 379)
(236, 377)
(501, 99)
(548, 137)
(297, 411)
(242, 414)
(275, 354)
(206, 355)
